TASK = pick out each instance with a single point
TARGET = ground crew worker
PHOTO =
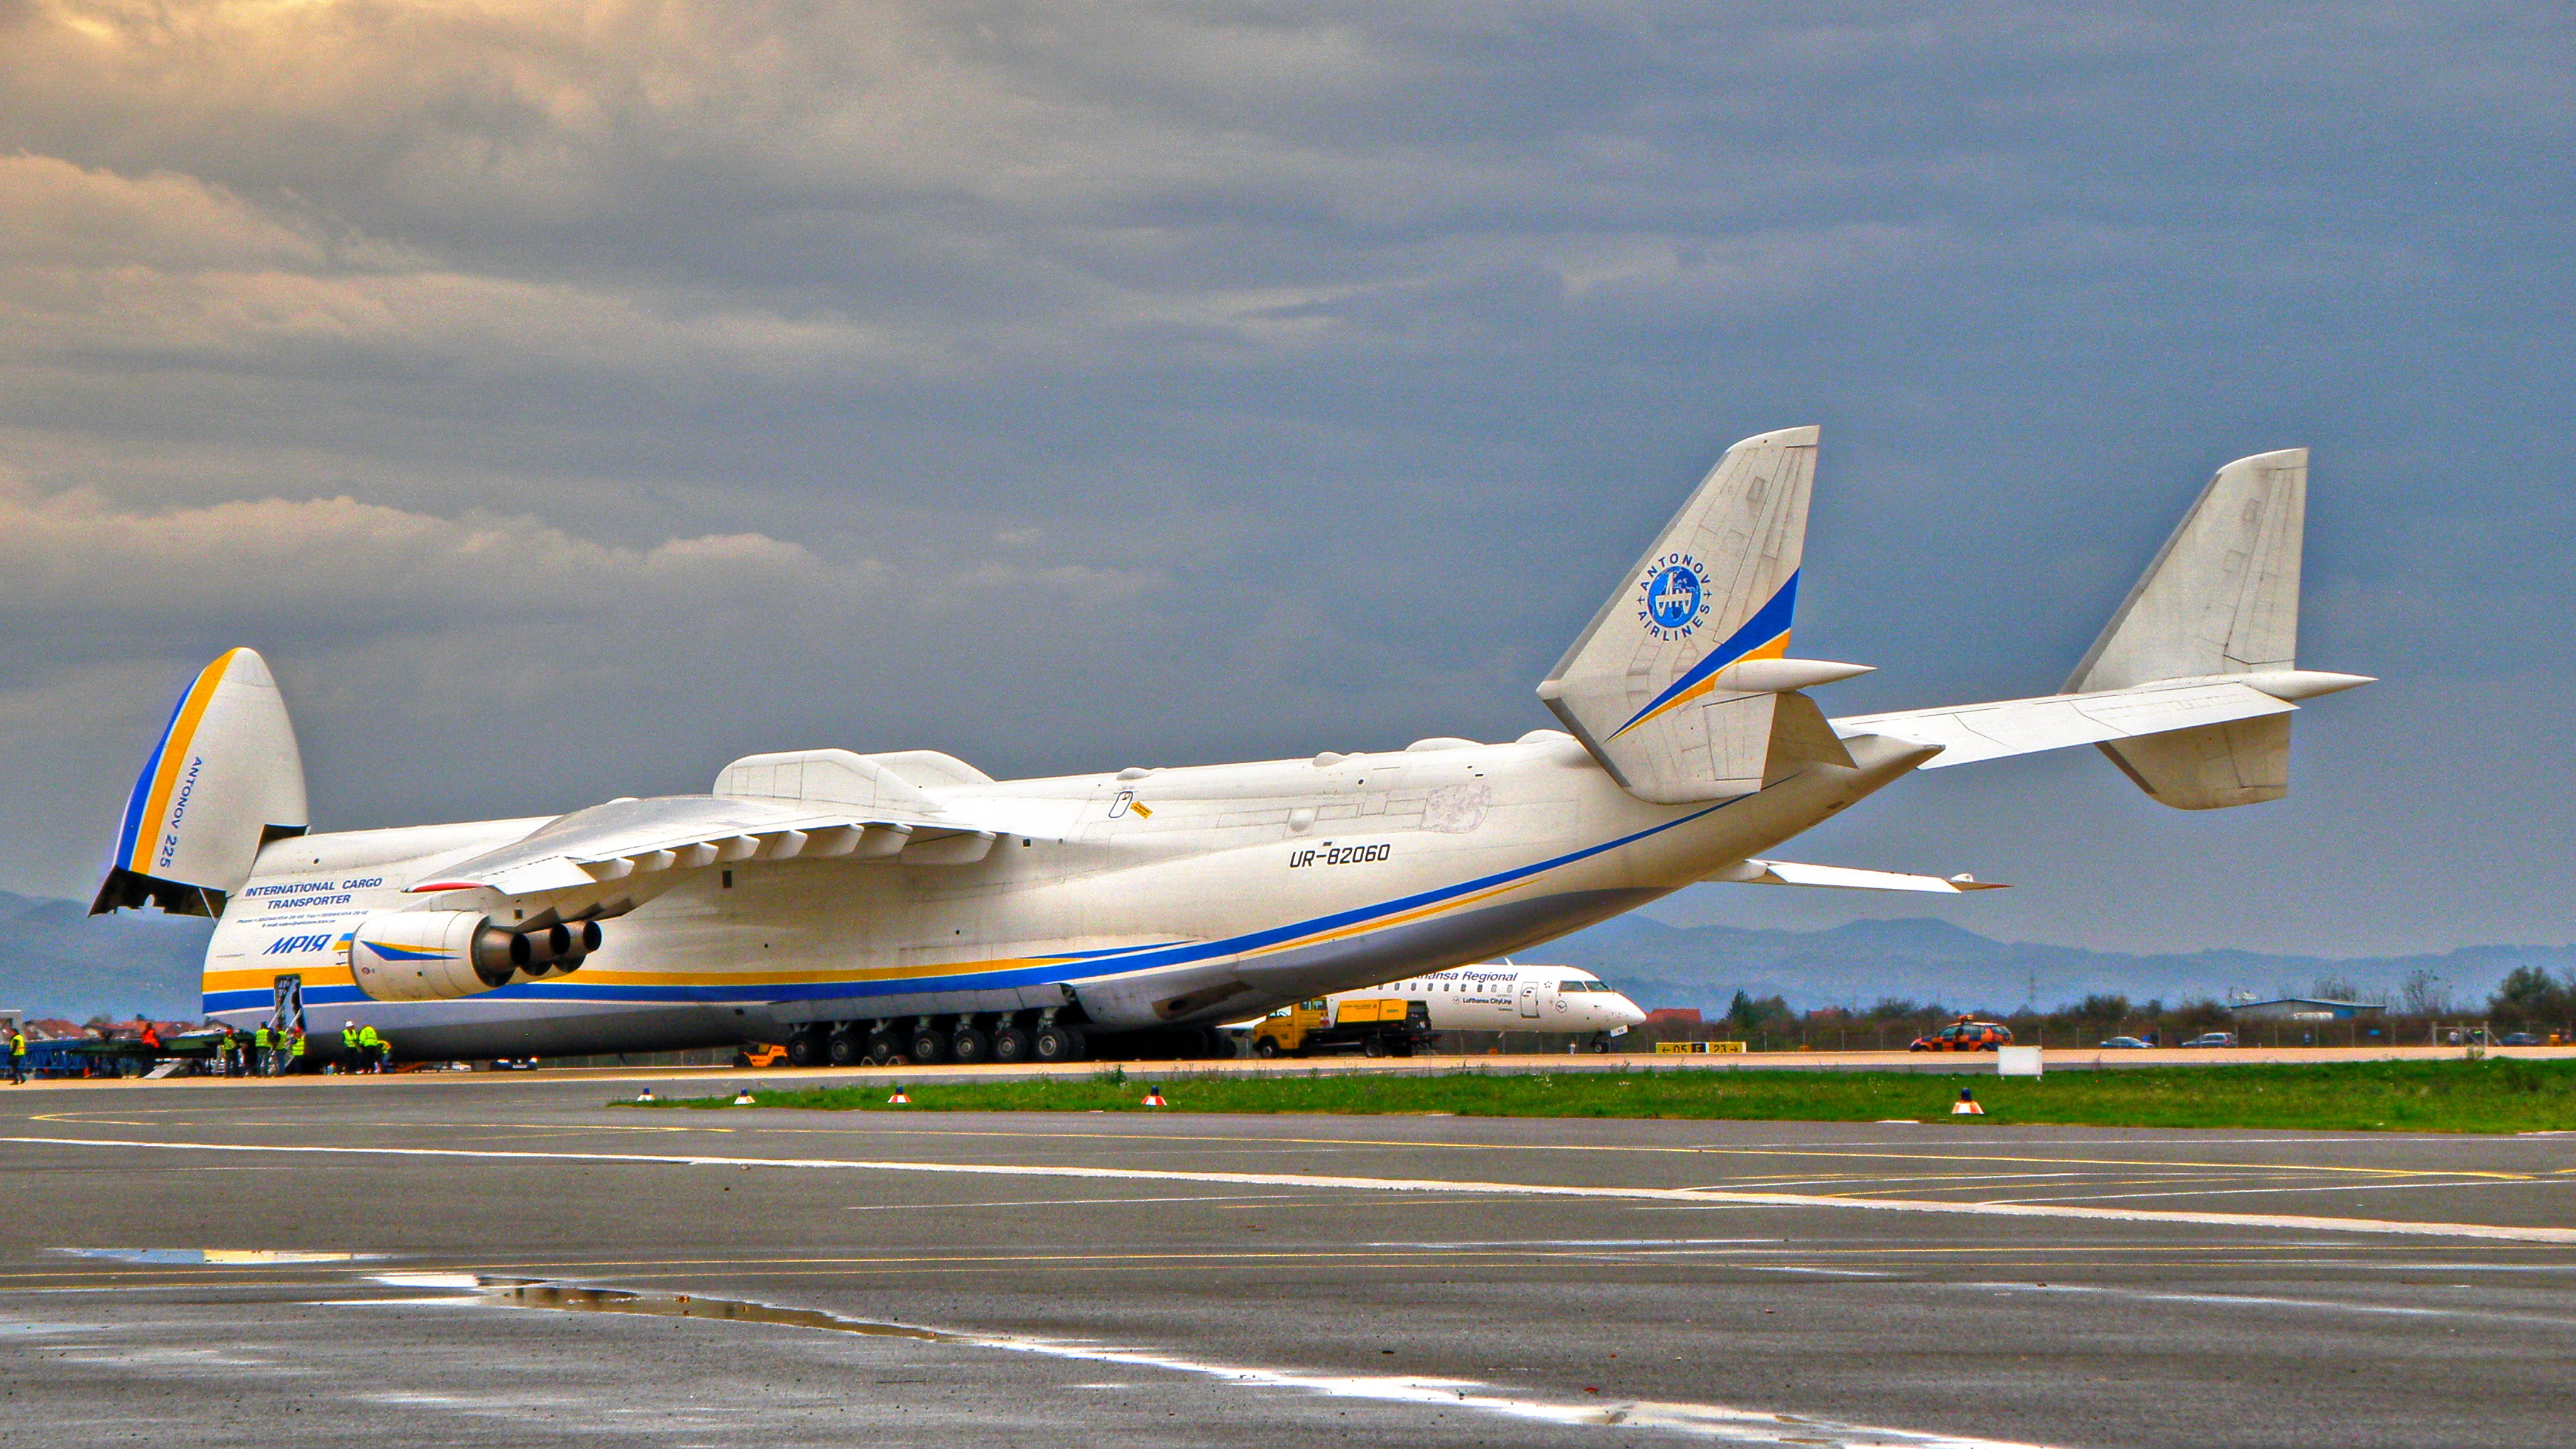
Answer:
(17, 1055)
(349, 1046)
(267, 1054)
(295, 1052)
(371, 1048)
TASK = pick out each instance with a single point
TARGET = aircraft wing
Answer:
(1792, 873)
(628, 838)
(1969, 733)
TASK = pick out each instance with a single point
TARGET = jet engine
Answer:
(441, 955)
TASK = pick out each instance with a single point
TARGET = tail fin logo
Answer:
(1676, 597)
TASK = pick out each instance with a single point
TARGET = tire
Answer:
(969, 1044)
(883, 1047)
(1012, 1044)
(929, 1045)
(1266, 1048)
(805, 1049)
(1054, 1043)
(1375, 1046)
(842, 1049)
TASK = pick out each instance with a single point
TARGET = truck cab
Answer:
(1373, 1026)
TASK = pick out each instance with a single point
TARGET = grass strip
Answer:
(2495, 1095)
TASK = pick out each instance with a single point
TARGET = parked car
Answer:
(2213, 1039)
(2126, 1043)
(1965, 1036)
(2518, 1038)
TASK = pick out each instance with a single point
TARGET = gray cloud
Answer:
(567, 397)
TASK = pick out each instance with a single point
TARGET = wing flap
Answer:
(615, 843)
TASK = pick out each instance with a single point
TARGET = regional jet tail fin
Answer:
(2191, 686)
(1678, 685)
(225, 780)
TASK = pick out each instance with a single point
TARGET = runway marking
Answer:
(2328, 1187)
(1856, 1151)
(2254, 1300)
(1390, 1184)
(1723, 1423)
(907, 1207)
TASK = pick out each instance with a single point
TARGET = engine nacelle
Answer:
(442, 955)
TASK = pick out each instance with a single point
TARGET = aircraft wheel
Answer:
(929, 1045)
(805, 1049)
(1011, 1044)
(1266, 1048)
(883, 1047)
(1220, 1046)
(1057, 1043)
(970, 1044)
(842, 1048)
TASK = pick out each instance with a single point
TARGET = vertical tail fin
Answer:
(1676, 684)
(2221, 597)
(225, 780)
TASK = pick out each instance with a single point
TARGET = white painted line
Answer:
(2116, 1195)
(1396, 1184)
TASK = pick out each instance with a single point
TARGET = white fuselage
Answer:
(1505, 997)
(1235, 889)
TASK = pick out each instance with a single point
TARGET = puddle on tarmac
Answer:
(217, 1257)
(1717, 1422)
(684, 1305)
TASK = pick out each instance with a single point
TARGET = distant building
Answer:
(2303, 1008)
(1673, 1016)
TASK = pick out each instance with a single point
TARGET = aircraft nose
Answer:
(1627, 1011)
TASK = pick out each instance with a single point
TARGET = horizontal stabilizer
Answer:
(1970, 733)
(2190, 688)
(1792, 873)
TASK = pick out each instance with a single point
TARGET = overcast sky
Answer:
(568, 398)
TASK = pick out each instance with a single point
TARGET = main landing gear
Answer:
(985, 1036)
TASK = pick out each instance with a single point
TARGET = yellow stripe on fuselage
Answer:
(174, 753)
(261, 978)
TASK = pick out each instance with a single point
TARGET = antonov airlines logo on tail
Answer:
(1676, 597)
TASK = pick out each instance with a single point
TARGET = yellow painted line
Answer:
(2156, 1216)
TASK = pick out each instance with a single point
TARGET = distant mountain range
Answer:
(55, 960)
(1931, 960)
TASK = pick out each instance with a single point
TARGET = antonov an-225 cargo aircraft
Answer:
(875, 905)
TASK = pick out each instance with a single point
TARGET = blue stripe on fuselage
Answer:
(1115, 961)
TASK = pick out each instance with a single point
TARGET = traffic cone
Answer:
(743, 1098)
(1154, 1097)
(1967, 1105)
(645, 1096)
(898, 1099)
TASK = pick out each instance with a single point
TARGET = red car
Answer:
(1965, 1036)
